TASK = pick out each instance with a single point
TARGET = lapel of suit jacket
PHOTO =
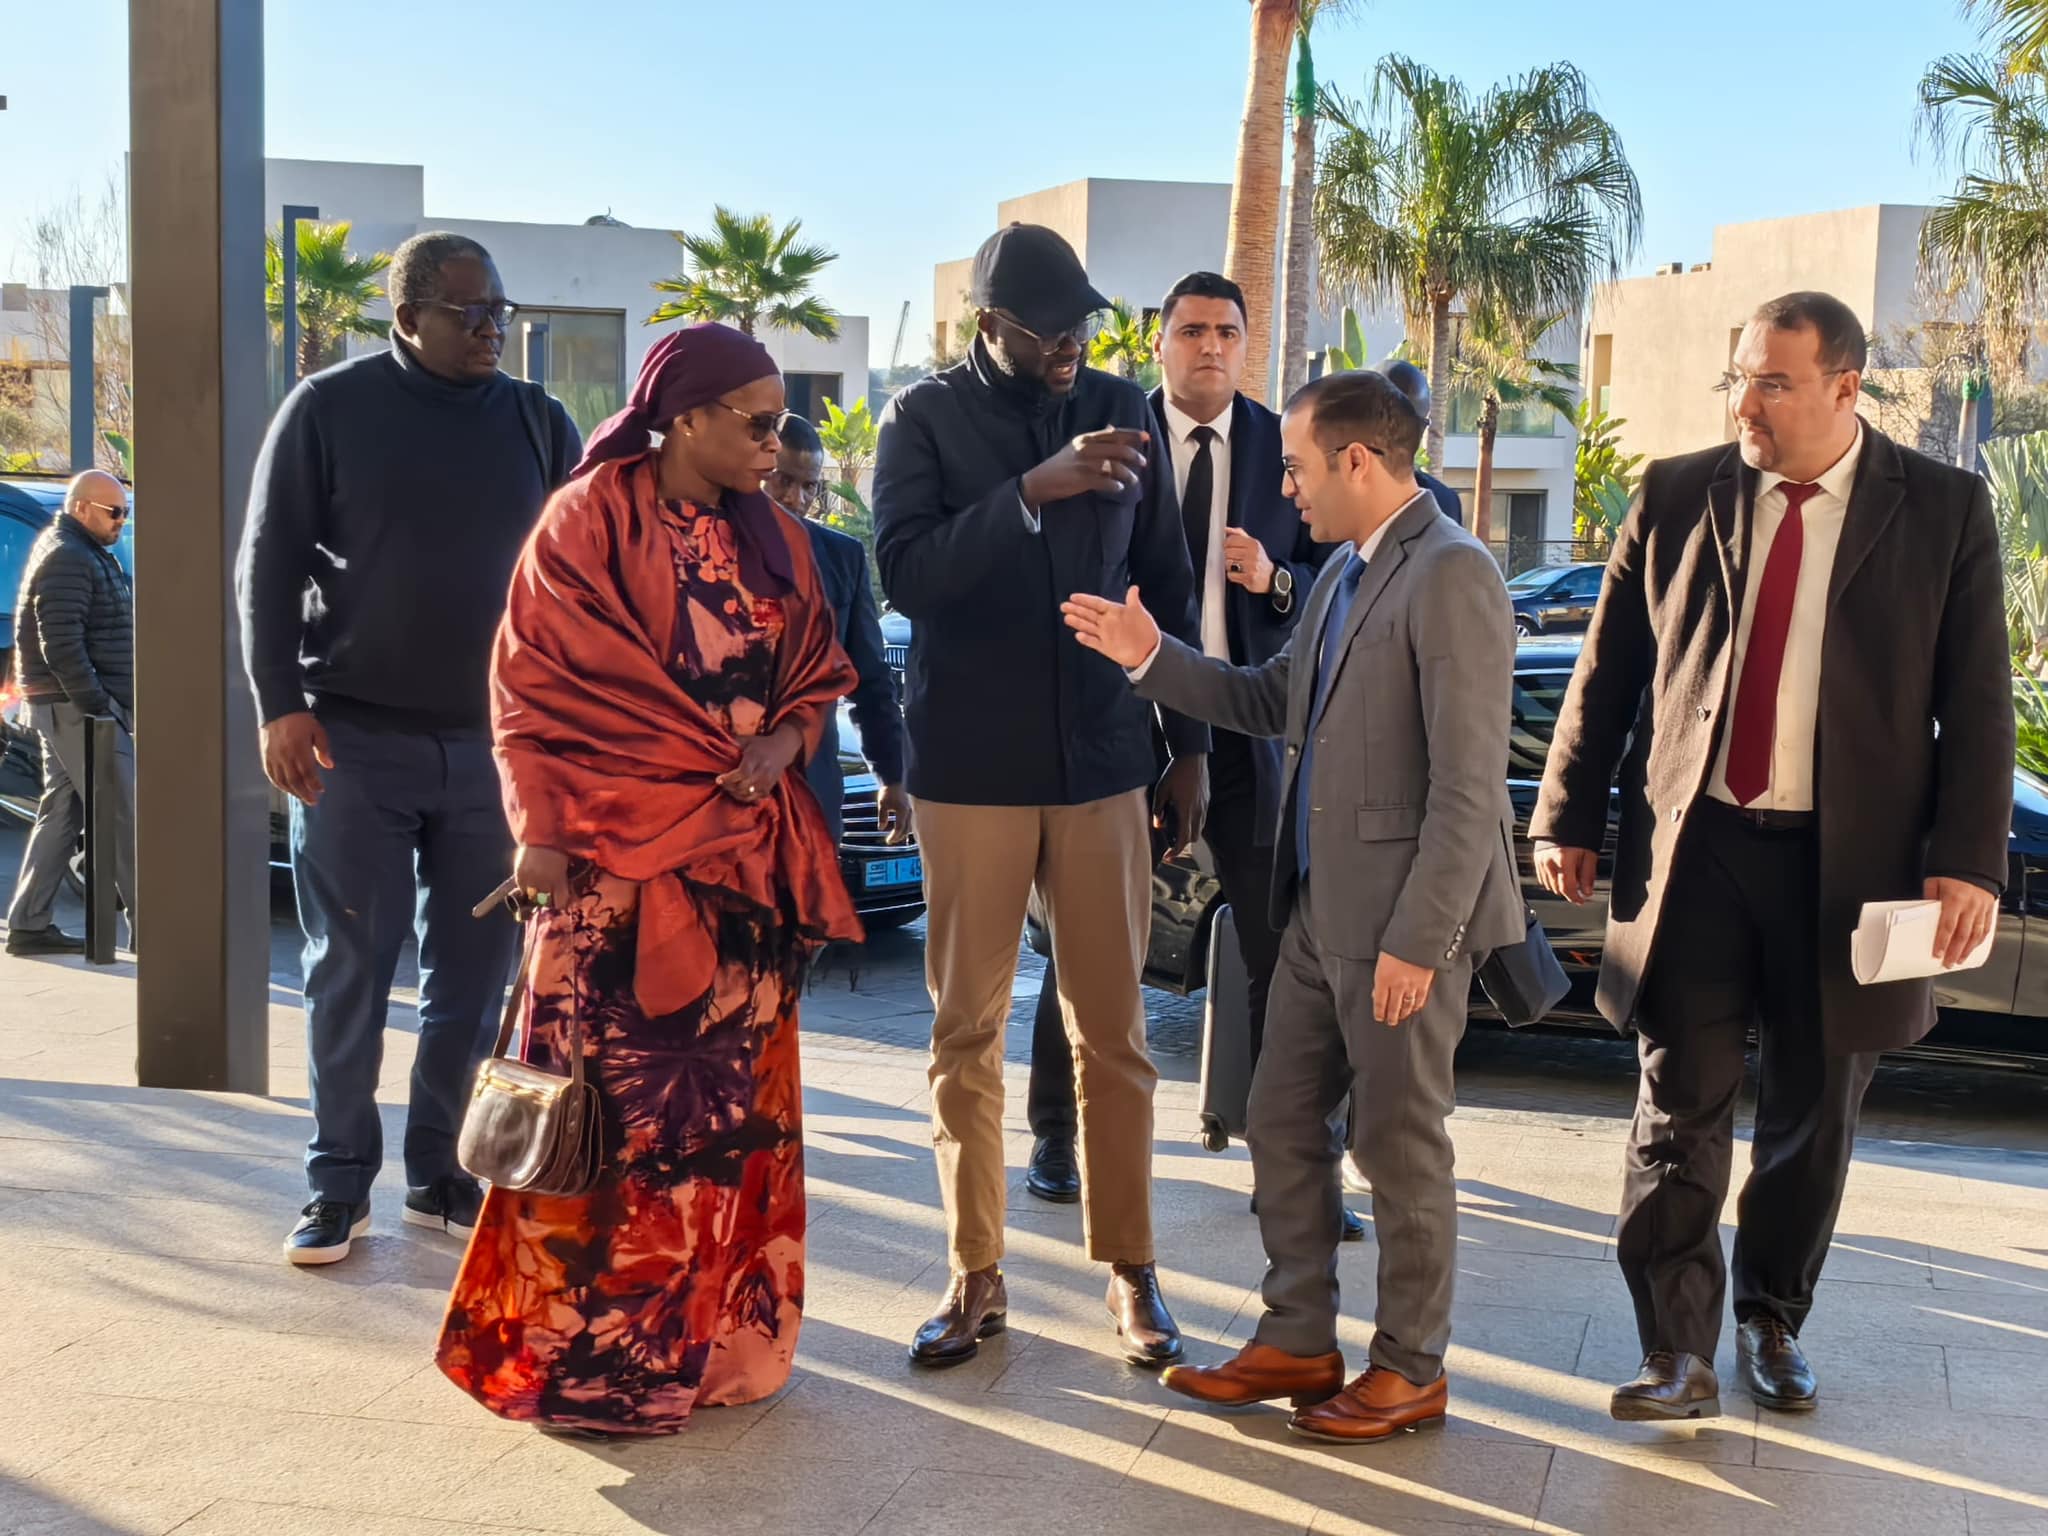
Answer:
(1408, 525)
(1880, 487)
(1725, 504)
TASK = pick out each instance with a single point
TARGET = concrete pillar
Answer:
(196, 242)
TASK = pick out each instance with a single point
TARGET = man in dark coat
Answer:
(1001, 484)
(1799, 666)
(1414, 383)
(1254, 560)
(75, 656)
(798, 487)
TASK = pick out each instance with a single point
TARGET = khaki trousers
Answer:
(1092, 867)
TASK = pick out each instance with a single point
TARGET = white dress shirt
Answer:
(1821, 518)
(1180, 437)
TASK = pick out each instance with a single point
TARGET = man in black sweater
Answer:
(391, 498)
(1001, 484)
(75, 655)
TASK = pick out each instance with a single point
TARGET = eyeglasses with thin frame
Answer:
(1080, 333)
(762, 426)
(1290, 472)
(118, 514)
(1735, 384)
(498, 311)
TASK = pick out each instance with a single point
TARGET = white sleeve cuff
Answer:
(1137, 674)
(1031, 519)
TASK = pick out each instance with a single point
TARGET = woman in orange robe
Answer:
(664, 668)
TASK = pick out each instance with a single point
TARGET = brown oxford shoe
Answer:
(1150, 1335)
(1377, 1406)
(1669, 1386)
(1773, 1366)
(977, 1305)
(1259, 1373)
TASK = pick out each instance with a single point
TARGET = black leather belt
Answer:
(1756, 820)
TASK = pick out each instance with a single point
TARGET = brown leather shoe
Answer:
(1259, 1373)
(1150, 1335)
(977, 1305)
(1377, 1406)
(1669, 1386)
(1773, 1367)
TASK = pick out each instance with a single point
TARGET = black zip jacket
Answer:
(74, 632)
(1003, 705)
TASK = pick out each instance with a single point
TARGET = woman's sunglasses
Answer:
(761, 425)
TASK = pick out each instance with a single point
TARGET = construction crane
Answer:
(896, 352)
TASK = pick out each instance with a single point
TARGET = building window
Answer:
(1534, 419)
(808, 392)
(579, 354)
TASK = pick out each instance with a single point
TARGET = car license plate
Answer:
(905, 871)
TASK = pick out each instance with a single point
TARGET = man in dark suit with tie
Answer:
(1253, 559)
(1391, 870)
(798, 486)
(1799, 666)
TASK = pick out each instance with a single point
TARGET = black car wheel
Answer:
(1525, 627)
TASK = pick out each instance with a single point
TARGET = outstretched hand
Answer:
(1124, 632)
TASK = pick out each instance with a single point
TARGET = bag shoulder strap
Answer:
(509, 1024)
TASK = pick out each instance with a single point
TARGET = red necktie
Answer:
(1763, 660)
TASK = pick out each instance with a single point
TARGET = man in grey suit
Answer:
(1391, 870)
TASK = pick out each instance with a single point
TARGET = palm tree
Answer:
(1255, 187)
(2018, 29)
(1301, 197)
(746, 272)
(1124, 344)
(1516, 199)
(335, 289)
(1991, 232)
(1499, 369)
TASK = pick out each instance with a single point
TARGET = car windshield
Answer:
(1530, 581)
(1538, 697)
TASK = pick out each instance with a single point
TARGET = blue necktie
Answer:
(1326, 669)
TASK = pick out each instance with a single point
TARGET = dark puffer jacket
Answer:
(74, 628)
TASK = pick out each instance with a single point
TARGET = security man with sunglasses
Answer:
(1001, 484)
(392, 496)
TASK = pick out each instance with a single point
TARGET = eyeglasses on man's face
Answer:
(1080, 333)
(498, 311)
(1290, 467)
(117, 513)
(1771, 387)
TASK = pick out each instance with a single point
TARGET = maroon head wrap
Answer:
(683, 370)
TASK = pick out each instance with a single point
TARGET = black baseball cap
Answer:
(1028, 271)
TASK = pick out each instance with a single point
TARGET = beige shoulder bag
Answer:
(528, 1129)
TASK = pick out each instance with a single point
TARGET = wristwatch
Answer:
(1283, 590)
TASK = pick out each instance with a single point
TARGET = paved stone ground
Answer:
(162, 1370)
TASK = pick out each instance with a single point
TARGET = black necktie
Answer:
(1194, 501)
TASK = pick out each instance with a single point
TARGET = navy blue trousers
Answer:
(409, 834)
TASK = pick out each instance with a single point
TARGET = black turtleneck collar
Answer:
(1028, 397)
(421, 380)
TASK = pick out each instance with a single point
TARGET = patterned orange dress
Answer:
(679, 1279)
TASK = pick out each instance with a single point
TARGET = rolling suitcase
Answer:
(1226, 1038)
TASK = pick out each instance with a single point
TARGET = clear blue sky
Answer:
(892, 127)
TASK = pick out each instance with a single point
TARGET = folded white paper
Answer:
(1895, 942)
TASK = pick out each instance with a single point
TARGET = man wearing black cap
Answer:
(1000, 484)
(1414, 383)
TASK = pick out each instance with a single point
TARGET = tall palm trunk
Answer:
(1482, 477)
(1255, 191)
(1301, 195)
(1439, 375)
(312, 346)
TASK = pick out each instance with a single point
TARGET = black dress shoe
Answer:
(1354, 1226)
(1671, 1386)
(43, 941)
(977, 1305)
(1774, 1368)
(1150, 1335)
(1053, 1174)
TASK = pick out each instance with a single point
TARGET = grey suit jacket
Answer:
(1410, 830)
